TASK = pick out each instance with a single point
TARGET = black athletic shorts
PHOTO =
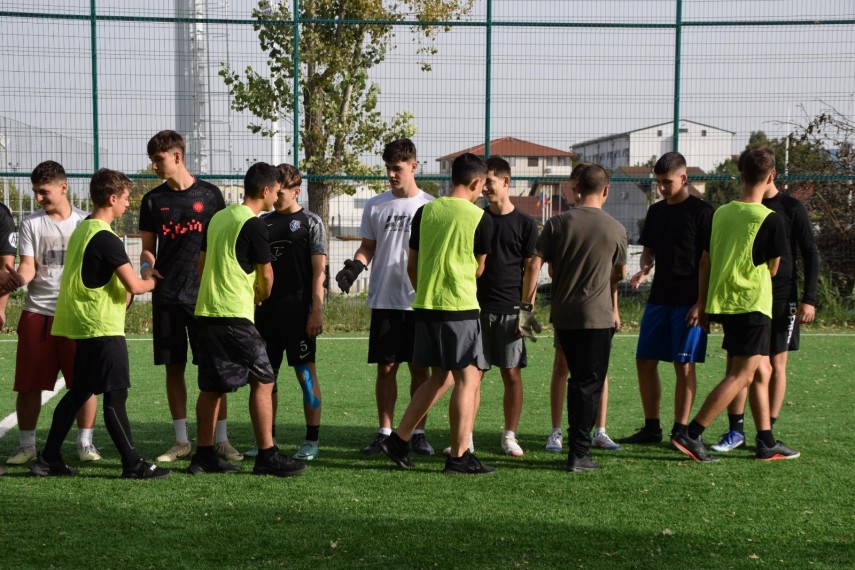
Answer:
(391, 336)
(785, 326)
(747, 334)
(286, 333)
(101, 364)
(171, 326)
(229, 354)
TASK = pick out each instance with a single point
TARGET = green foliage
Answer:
(340, 120)
(432, 187)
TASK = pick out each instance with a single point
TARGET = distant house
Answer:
(527, 160)
(702, 145)
(628, 201)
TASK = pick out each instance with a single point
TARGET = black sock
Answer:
(766, 437)
(695, 430)
(652, 424)
(265, 454)
(737, 422)
(773, 420)
(63, 418)
(273, 430)
(312, 432)
(205, 452)
(116, 418)
(679, 428)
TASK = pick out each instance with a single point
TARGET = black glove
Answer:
(347, 276)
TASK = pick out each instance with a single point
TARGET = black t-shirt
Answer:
(513, 239)
(104, 253)
(677, 234)
(799, 237)
(8, 234)
(179, 217)
(294, 239)
(251, 246)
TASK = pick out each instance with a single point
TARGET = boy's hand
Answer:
(527, 323)
(347, 276)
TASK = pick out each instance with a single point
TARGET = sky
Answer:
(554, 86)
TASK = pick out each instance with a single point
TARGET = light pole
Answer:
(4, 142)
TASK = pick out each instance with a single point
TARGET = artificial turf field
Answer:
(648, 507)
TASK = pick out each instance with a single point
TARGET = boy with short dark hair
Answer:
(290, 319)
(448, 246)
(738, 264)
(42, 244)
(587, 249)
(173, 217)
(385, 232)
(97, 285)
(673, 235)
(236, 276)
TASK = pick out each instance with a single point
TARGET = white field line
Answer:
(11, 420)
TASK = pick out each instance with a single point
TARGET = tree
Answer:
(339, 121)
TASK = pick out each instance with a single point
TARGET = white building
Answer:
(527, 159)
(703, 146)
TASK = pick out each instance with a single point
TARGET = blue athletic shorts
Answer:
(664, 336)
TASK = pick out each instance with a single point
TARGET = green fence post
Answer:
(489, 78)
(93, 35)
(296, 88)
(678, 54)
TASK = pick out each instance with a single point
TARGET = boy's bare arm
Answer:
(315, 325)
(413, 267)
(532, 272)
(135, 285)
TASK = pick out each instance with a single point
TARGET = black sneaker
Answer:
(694, 448)
(397, 450)
(579, 464)
(42, 468)
(278, 465)
(779, 451)
(419, 444)
(374, 446)
(211, 464)
(466, 464)
(145, 470)
(643, 435)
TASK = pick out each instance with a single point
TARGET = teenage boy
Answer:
(97, 285)
(787, 311)
(743, 254)
(290, 320)
(236, 276)
(587, 249)
(560, 371)
(448, 246)
(385, 233)
(9, 278)
(499, 291)
(173, 217)
(673, 235)
(42, 244)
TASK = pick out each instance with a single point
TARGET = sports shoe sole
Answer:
(779, 457)
(691, 455)
(275, 473)
(198, 470)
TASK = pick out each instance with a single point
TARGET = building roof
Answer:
(510, 146)
(619, 135)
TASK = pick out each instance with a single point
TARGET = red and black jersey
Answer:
(179, 218)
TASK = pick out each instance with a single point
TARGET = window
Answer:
(659, 133)
(359, 203)
(703, 132)
(684, 130)
(533, 161)
(563, 161)
(512, 160)
(444, 165)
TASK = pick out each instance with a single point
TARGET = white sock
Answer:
(84, 437)
(418, 431)
(221, 433)
(180, 427)
(27, 438)
(509, 433)
(599, 430)
(385, 431)
(558, 431)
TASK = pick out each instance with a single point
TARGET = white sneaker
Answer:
(511, 447)
(447, 450)
(227, 451)
(21, 456)
(555, 441)
(88, 453)
(603, 441)
(177, 451)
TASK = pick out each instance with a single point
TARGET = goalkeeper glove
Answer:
(527, 323)
(347, 276)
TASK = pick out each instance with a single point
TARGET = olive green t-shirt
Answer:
(583, 244)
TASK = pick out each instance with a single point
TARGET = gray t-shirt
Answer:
(583, 245)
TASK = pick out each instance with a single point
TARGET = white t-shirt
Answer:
(386, 219)
(46, 240)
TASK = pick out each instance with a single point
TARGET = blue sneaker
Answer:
(555, 441)
(729, 441)
(307, 451)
